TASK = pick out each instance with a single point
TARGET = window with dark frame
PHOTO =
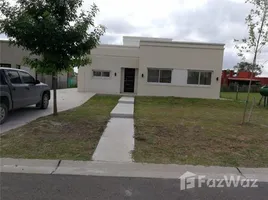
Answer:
(5, 65)
(205, 78)
(159, 75)
(199, 77)
(2, 79)
(97, 73)
(105, 74)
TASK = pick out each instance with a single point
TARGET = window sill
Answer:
(101, 77)
(167, 84)
(172, 85)
(193, 85)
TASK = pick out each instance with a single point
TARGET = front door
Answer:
(129, 80)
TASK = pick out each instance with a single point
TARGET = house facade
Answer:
(154, 67)
(12, 56)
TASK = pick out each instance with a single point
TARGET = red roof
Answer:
(242, 79)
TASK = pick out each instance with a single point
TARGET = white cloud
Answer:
(3, 36)
(218, 21)
(183, 20)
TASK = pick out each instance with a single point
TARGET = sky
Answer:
(217, 21)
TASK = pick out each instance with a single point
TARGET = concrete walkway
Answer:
(117, 141)
(66, 99)
(123, 169)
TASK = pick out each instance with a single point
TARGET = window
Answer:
(5, 65)
(106, 74)
(205, 78)
(2, 79)
(101, 73)
(13, 76)
(193, 77)
(27, 78)
(96, 73)
(199, 77)
(159, 76)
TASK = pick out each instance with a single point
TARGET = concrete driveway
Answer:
(66, 98)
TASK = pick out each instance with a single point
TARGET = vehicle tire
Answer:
(3, 113)
(43, 104)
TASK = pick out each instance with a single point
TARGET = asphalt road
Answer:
(68, 187)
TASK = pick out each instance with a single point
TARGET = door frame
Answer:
(122, 82)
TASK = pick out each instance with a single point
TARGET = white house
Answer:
(154, 67)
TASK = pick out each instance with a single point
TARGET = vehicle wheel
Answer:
(3, 113)
(43, 104)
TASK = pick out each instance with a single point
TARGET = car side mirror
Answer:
(37, 81)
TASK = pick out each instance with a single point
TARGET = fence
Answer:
(240, 88)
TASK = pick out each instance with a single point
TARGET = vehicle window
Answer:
(13, 76)
(27, 78)
(2, 79)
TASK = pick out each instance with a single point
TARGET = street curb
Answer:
(121, 169)
(34, 166)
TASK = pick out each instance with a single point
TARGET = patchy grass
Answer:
(242, 96)
(73, 134)
(199, 132)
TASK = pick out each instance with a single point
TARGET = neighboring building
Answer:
(242, 78)
(12, 56)
(154, 67)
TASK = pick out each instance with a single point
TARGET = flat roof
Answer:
(4, 40)
(242, 79)
(149, 38)
(117, 45)
(184, 42)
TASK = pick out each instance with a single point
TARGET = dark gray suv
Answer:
(19, 89)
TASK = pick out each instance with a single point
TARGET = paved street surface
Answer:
(70, 187)
(66, 99)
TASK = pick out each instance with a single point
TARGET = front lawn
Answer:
(73, 134)
(242, 96)
(199, 132)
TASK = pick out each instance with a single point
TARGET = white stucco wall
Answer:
(180, 57)
(107, 58)
(14, 56)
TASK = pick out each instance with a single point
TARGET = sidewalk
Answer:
(123, 169)
(117, 141)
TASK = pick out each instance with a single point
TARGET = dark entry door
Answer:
(129, 80)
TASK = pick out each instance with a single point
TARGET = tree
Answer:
(53, 30)
(248, 67)
(257, 22)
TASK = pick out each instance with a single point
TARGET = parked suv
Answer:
(19, 89)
